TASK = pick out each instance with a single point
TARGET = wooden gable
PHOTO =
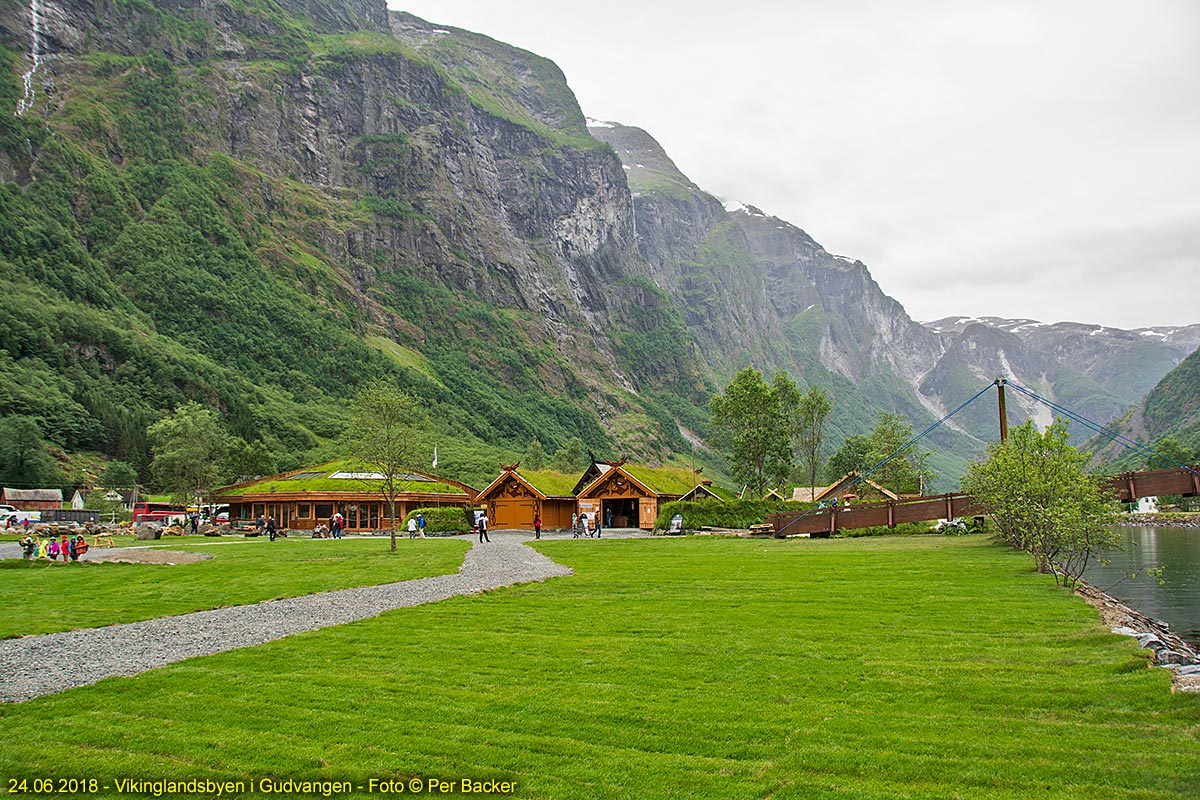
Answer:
(616, 483)
(511, 485)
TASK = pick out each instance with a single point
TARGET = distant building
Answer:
(304, 498)
(32, 499)
(81, 497)
(850, 484)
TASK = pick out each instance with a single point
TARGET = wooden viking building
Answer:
(849, 485)
(303, 499)
(515, 497)
(633, 494)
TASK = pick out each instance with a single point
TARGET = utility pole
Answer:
(1000, 382)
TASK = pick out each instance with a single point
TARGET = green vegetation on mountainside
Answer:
(145, 266)
(1170, 411)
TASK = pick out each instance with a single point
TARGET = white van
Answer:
(11, 519)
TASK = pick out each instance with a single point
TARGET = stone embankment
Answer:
(1168, 649)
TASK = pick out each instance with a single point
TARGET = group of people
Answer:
(581, 525)
(266, 526)
(833, 504)
(68, 547)
(416, 527)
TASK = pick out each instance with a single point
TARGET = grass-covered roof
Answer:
(316, 479)
(663, 480)
(550, 482)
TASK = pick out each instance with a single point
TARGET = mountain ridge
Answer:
(263, 206)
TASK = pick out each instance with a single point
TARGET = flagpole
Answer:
(439, 494)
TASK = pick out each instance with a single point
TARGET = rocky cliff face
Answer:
(427, 188)
(439, 196)
(757, 289)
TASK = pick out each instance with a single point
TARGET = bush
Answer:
(446, 519)
(722, 513)
(903, 529)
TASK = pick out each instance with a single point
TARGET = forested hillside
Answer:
(1167, 421)
(261, 212)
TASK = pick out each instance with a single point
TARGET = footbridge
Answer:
(1180, 479)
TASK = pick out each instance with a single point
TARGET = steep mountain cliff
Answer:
(756, 289)
(1171, 410)
(263, 205)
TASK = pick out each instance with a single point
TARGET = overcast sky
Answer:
(1026, 158)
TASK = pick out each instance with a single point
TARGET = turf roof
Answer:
(663, 480)
(292, 482)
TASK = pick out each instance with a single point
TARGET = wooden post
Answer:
(1003, 409)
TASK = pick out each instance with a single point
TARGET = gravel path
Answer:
(32, 666)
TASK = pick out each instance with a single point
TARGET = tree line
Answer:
(774, 434)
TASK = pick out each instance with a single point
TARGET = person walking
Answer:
(574, 525)
(194, 519)
(339, 525)
(482, 524)
(260, 525)
(412, 527)
(537, 526)
(599, 526)
(271, 527)
(421, 526)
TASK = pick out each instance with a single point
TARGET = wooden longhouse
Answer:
(303, 499)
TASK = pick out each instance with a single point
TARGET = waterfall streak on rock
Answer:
(35, 53)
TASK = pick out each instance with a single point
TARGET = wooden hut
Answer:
(633, 494)
(515, 497)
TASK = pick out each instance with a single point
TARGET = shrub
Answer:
(721, 513)
(446, 519)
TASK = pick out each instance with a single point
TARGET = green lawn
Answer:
(920, 667)
(43, 596)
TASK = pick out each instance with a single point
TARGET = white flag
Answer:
(435, 457)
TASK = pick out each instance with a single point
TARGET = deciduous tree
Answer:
(1035, 487)
(535, 455)
(751, 426)
(387, 435)
(186, 446)
(814, 411)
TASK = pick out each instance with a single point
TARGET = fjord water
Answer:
(1177, 600)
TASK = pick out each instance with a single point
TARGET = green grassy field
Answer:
(919, 667)
(45, 597)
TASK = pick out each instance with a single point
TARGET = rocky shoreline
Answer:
(1169, 650)
(1160, 520)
